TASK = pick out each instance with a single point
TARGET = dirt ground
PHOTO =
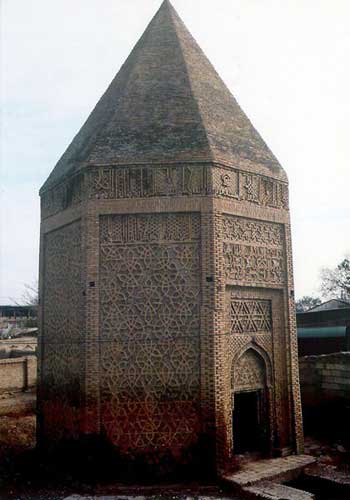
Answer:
(17, 443)
(24, 476)
(17, 434)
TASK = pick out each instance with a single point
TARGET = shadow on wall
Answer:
(95, 458)
(325, 392)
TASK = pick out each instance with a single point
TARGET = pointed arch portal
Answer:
(250, 399)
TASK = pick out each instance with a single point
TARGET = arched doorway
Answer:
(251, 413)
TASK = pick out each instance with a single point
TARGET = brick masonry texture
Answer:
(166, 265)
(18, 374)
(167, 103)
(325, 378)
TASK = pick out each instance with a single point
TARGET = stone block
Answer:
(267, 490)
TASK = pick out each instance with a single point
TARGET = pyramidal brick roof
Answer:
(166, 104)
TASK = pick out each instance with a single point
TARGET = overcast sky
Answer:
(287, 63)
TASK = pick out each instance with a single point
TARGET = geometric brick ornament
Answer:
(250, 316)
(166, 281)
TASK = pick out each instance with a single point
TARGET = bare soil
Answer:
(17, 434)
(329, 452)
(24, 475)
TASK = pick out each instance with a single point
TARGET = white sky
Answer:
(287, 62)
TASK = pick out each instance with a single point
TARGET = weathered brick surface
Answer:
(325, 378)
(18, 374)
(167, 104)
(180, 276)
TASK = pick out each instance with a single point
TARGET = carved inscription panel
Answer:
(253, 251)
(66, 194)
(144, 182)
(148, 181)
(156, 181)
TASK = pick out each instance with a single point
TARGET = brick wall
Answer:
(244, 252)
(17, 374)
(324, 378)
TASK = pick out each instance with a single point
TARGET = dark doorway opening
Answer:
(250, 423)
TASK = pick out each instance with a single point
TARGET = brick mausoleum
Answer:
(166, 283)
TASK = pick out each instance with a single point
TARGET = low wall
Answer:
(325, 395)
(325, 378)
(17, 374)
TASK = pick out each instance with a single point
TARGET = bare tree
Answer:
(335, 282)
(30, 296)
(307, 302)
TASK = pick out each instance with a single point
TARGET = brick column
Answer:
(91, 346)
(294, 371)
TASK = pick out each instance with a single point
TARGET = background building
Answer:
(324, 329)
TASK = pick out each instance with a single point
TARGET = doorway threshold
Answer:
(278, 470)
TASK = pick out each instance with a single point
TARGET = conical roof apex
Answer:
(166, 104)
